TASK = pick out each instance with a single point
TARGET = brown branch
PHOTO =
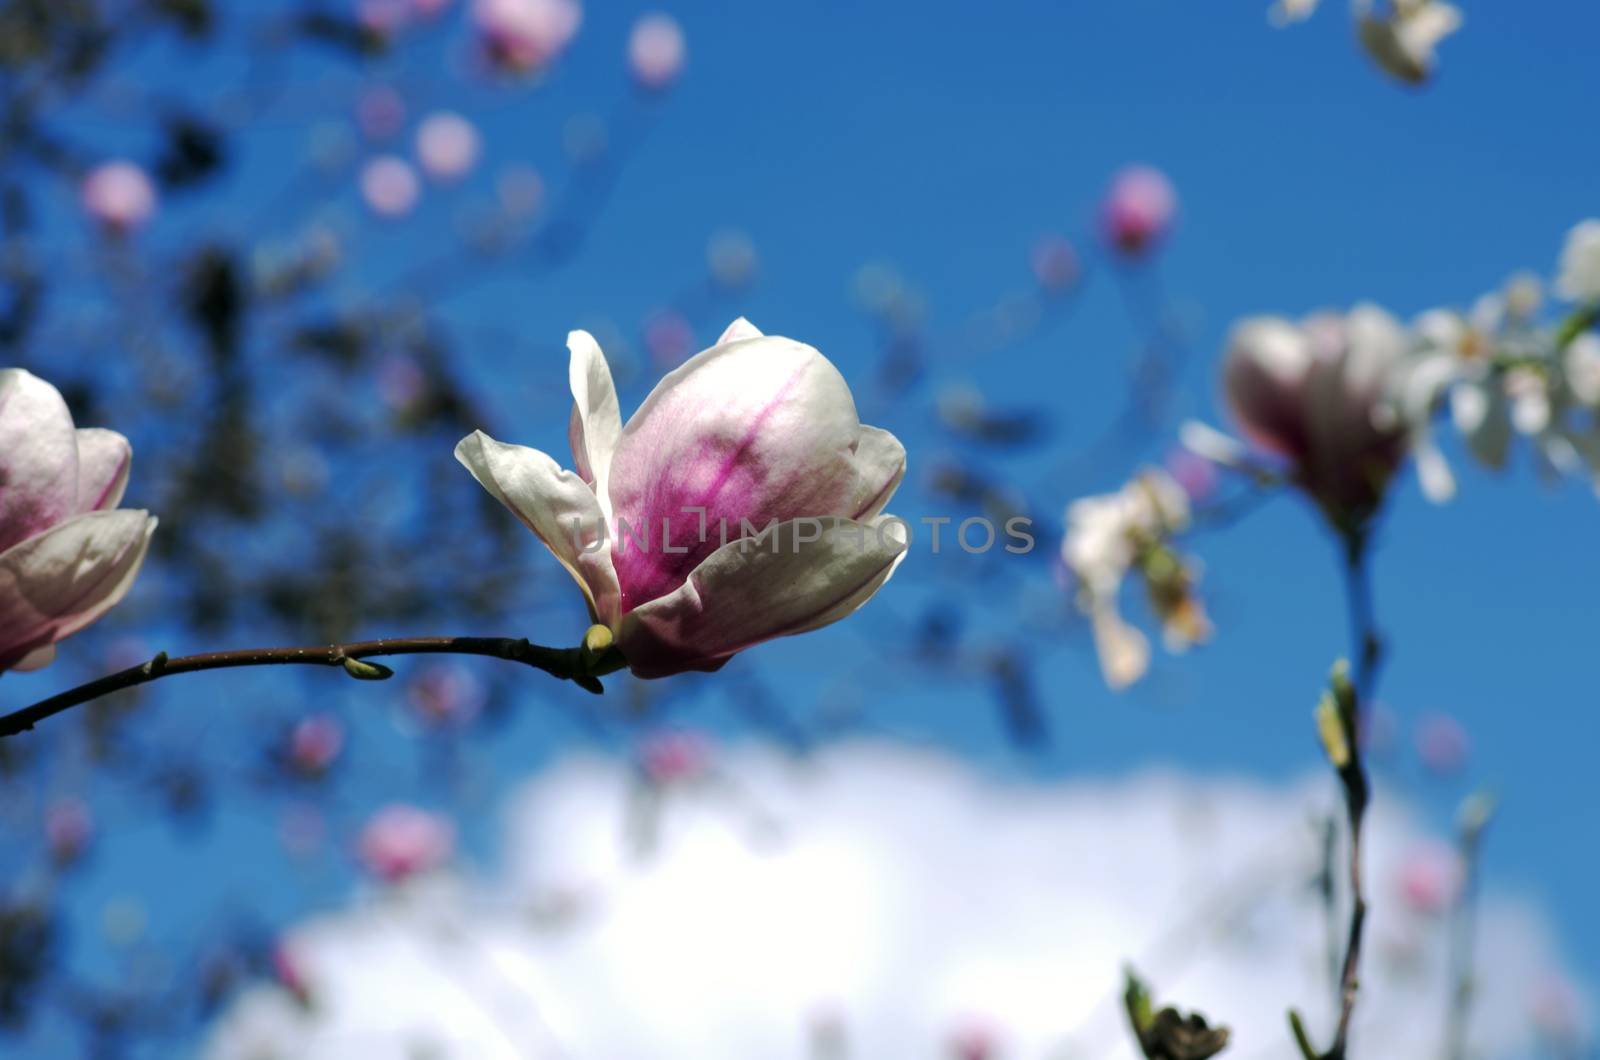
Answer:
(582, 665)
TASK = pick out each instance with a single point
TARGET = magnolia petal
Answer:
(738, 330)
(57, 582)
(104, 458)
(1433, 471)
(758, 429)
(38, 457)
(37, 659)
(1205, 441)
(1124, 651)
(596, 422)
(755, 589)
(1265, 373)
(557, 505)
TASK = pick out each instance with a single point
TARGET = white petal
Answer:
(1206, 441)
(596, 422)
(104, 458)
(57, 582)
(752, 590)
(740, 329)
(1438, 483)
(1124, 651)
(557, 505)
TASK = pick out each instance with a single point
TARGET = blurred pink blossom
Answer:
(400, 381)
(520, 190)
(118, 195)
(524, 35)
(287, 969)
(974, 1041)
(390, 186)
(1138, 209)
(380, 113)
(401, 841)
(656, 51)
(315, 743)
(1055, 264)
(1556, 1010)
(68, 829)
(1430, 877)
(668, 337)
(448, 146)
(672, 758)
(383, 17)
(1442, 743)
(447, 694)
(1196, 474)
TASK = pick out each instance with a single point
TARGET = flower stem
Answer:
(1368, 648)
(578, 665)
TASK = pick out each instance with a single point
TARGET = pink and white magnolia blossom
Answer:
(525, 35)
(67, 555)
(118, 195)
(743, 501)
(656, 51)
(1315, 393)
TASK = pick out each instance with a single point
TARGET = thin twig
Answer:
(579, 665)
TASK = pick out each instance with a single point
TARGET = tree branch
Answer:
(582, 665)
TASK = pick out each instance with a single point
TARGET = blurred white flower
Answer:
(1402, 38)
(1110, 535)
(656, 51)
(1581, 368)
(1286, 12)
(1579, 278)
(448, 146)
(390, 186)
(893, 902)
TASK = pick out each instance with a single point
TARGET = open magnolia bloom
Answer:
(67, 556)
(742, 502)
(1111, 535)
(1315, 394)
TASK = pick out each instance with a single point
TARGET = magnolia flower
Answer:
(448, 146)
(67, 556)
(402, 841)
(743, 501)
(390, 186)
(119, 195)
(1579, 278)
(1138, 209)
(656, 51)
(1314, 394)
(1402, 39)
(524, 35)
(1109, 536)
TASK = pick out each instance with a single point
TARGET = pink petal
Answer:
(104, 458)
(38, 457)
(755, 590)
(756, 430)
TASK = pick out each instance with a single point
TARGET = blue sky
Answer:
(945, 138)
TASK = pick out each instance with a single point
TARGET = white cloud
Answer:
(894, 897)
